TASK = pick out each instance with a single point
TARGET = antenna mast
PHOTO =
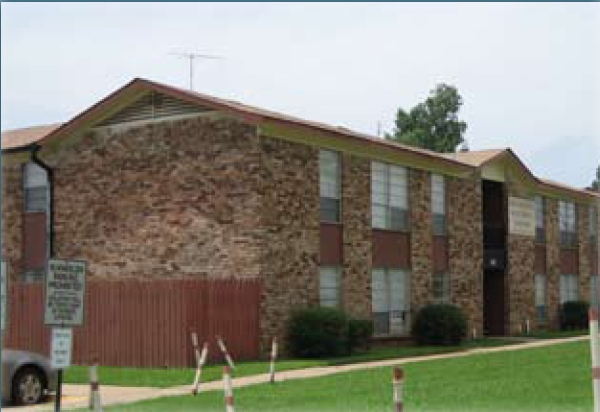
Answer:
(191, 57)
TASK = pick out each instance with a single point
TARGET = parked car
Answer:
(27, 377)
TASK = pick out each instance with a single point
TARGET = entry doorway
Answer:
(493, 302)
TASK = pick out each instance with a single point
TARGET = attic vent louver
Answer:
(153, 106)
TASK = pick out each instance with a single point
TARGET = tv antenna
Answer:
(191, 57)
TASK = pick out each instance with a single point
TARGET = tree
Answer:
(433, 124)
(596, 182)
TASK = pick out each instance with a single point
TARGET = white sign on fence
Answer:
(62, 345)
(65, 293)
(521, 216)
(4, 287)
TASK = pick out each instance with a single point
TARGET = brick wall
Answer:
(585, 267)
(465, 248)
(289, 221)
(553, 261)
(421, 239)
(12, 217)
(169, 199)
(356, 220)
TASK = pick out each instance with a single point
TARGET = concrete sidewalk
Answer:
(76, 396)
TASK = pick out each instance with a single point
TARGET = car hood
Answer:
(19, 356)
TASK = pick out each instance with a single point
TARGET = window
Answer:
(389, 197)
(567, 223)
(330, 185)
(35, 184)
(441, 287)
(390, 289)
(540, 212)
(438, 204)
(594, 291)
(593, 224)
(541, 302)
(329, 286)
(569, 288)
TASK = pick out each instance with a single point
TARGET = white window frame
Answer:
(330, 286)
(389, 194)
(330, 183)
(569, 287)
(390, 290)
(438, 204)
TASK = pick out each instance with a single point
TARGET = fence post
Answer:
(397, 384)
(95, 403)
(200, 361)
(228, 389)
(225, 353)
(593, 315)
(273, 357)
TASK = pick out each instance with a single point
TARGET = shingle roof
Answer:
(476, 158)
(16, 138)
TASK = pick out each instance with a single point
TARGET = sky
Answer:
(529, 74)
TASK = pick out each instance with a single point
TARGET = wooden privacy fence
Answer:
(146, 323)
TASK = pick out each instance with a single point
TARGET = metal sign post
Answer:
(65, 300)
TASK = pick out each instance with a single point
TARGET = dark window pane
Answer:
(35, 199)
(542, 314)
(439, 224)
(540, 234)
(399, 219)
(330, 210)
(381, 323)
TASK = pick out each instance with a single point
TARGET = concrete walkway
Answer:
(76, 396)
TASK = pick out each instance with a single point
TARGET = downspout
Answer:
(50, 201)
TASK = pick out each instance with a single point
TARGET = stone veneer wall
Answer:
(289, 214)
(552, 262)
(465, 247)
(169, 199)
(521, 283)
(421, 239)
(12, 217)
(356, 221)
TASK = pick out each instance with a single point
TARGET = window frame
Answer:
(35, 188)
(390, 301)
(441, 278)
(541, 307)
(388, 207)
(540, 219)
(570, 289)
(337, 301)
(439, 221)
(567, 223)
(338, 187)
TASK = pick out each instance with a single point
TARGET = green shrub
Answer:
(440, 325)
(318, 332)
(360, 332)
(574, 315)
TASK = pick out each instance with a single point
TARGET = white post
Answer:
(200, 361)
(593, 315)
(527, 326)
(95, 403)
(397, 383)
(474, 333)
(225, 353)
(273, 357)
(228, 389)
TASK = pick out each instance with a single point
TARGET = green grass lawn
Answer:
(554, 378)
(172, 377)
(556, 334)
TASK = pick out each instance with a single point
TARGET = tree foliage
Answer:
(432, 124)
